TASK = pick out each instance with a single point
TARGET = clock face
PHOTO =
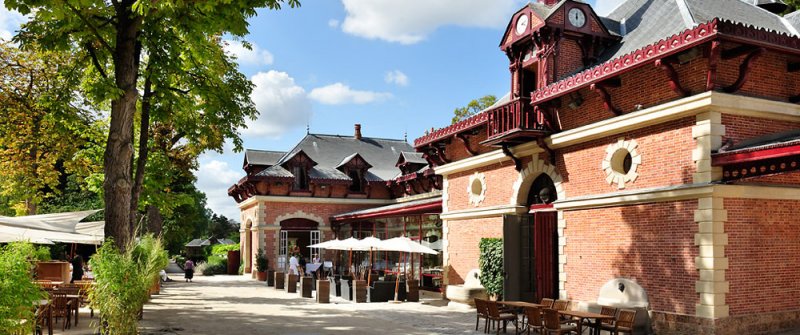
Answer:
(522, 24)
(576, 17)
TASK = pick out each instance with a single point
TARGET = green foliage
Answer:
(215, 265)
(123, 281)
(42, 254)
(473, 107)
(18, 290)
(222, 249)
(262, 263)
(490, 262)
(222, 227)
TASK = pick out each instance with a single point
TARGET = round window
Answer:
(476, 188)
(621, 162)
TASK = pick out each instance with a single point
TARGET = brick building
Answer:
(331, 186)
(656, 147)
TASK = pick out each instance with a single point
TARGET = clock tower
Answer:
(548, 40)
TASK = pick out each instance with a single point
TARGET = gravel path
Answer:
(239, 305)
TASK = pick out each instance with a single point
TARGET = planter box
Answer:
(360, 290)
(306, 284)
(55, 271)
(270, 278)
(323, 291)
(280, 277)
(261, 275)
(291, 283)
(413, 290)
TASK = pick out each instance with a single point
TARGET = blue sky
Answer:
(395, 67)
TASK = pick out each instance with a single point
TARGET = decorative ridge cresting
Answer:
(472, 122)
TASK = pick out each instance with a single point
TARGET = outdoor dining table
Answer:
(520, 305)
(588, 316)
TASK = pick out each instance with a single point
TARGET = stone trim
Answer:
(483, 212)
(445, 194)
(492, 157)
(711, 239)
(689, 106)
(298, 215)
(611, 160)
(707, 133)
(519, 193)
(313, 200)
(476, 199)
(431, 194)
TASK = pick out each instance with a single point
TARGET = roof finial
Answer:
(308, 127)
(405, 135)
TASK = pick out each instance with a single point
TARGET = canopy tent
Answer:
(49, 228)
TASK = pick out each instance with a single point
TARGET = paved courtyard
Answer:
(239, 305)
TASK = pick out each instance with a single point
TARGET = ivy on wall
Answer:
(490, 262)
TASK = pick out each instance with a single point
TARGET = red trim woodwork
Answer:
(426, 208)
(749, 156)
(761, 167)
(602, 89)
(672, 75)
(465, 143)
(744, 70)
(463, 125)
(517, 161)
(515, 122)
(713, 60)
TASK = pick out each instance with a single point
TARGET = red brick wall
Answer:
(500, 178)
(463, 237)
(738, 128)
(651, 244)
(763, 248)
(569, 58)
(666, 151)
(768, 78)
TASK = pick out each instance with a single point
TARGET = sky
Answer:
(395, 67)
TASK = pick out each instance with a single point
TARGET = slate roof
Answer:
(329, 151)
(648, 21)
(262, 157)
(793, 19)
(413, 157)
(198, 242)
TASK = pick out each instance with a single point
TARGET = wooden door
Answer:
(545, 250)
(530, 256)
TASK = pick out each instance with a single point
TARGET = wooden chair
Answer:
(547, 302)
(563, 305)
(61, 307)
(481, 313)
(610, 311)
(553, 325)
(625, 321)
(85, 286)
(496, 316)
(42, 321)
(534, 316)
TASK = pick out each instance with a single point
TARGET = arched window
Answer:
(542, 191)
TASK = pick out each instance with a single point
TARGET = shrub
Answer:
(42, 254)
(490, 262)
(123, 281)
(222, 249)
(216, 265)
(19, 292)
(262, 263)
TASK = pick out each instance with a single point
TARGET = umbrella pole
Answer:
(369, 276)
(350, 264)
(397, 281)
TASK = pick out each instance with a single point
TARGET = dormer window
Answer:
(300, 178)
(299, 165)
(355, 167)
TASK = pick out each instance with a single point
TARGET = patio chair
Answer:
(534, 316)
(610, 311)
(496, 317)
(41, 319)
(552, 324)
(547, 302)
(84, 287)
(563, 305)
(481, 312)
(623, 324)
(61, 307)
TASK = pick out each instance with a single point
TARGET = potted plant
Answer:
(262, 263)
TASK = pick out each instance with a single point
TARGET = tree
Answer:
(473, 107)
(122, 35)
(222, 227)
(44, 124)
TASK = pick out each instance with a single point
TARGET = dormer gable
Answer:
(410, 162)
(355, 167)
(299, 164)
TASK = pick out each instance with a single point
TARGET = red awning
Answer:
(428, 206)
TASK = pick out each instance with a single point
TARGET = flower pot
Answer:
(262, 275)
(306, 284)
(291, 283)
(279, 280)
(413, 290)
(323, 291)
(270, 277)
(360, 290)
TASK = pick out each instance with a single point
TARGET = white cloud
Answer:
(396, 77)
(333, 23)
(282, 104)
(213, 178)
(410, 21)
(9, 22)
(253, 56)
(603, 7)
(339, 94)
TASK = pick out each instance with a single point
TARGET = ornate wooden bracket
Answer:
(550, 153)
(713, 60)
(744, 70)
(441, 155)
(465, 142)
(674, 81)
(517, 161)
(601, 89)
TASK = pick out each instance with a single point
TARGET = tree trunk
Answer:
(118, 156)
(141, 161)
(154, 220)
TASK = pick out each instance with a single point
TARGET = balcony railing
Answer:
(516, 121)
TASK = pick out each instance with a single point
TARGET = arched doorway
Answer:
(299, 233)
(530, 245)
(248, 247)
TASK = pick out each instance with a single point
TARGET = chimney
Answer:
(549, 3)
(357, 134)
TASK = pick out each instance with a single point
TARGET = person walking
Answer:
(188, 269)
(77, 268)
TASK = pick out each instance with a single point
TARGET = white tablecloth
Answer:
(312, 267)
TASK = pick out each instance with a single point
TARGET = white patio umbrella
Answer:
(370, 243)
(348, 244)
(405, 245)
(326, 245)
